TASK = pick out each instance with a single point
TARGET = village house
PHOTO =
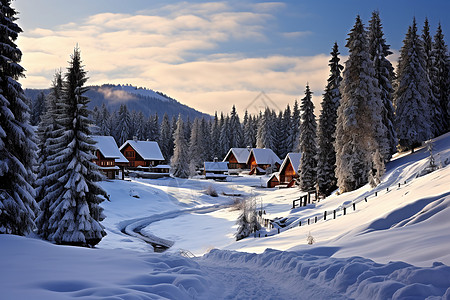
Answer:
(108, 157)
(215, 170)
(260, 159)
(274, 180)
(289, 169)
(143, 154)
(237, 159)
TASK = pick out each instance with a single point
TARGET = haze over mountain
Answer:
(136, 98)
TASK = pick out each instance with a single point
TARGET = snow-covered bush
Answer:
(248, 220)
(310, 239)
(211, 191)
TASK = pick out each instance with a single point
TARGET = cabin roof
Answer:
(218, 166)
(108, 148)
(264, 156)
(241, 154)
(146, 149)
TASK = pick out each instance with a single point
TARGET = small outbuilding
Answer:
(289, 169)
(217, 170)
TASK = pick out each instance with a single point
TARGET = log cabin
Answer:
(142, 153)
(237, 158)
(217, 170)
(108, 157)
(289, 169)
(260, 159)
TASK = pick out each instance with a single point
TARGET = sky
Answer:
(208, 55)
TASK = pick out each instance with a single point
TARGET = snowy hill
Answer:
(392, 246)
(140, 99)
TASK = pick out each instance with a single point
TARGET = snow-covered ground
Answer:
(394, 245)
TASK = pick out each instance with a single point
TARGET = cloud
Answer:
(177, 50)
(115, 95)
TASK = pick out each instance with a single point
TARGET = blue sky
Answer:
(208, 55)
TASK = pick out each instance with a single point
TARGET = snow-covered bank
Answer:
(34, 269)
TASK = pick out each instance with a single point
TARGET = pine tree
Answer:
(197, 153)
(206, 134)
(165, 137)
(215, 137)
(295, 135)
(17, 146)
(384, 72)
(73, 201)
(412, 117)
(441, 77)
(285, 132)
(264, 134)
(236, 129)
(308, 146)
(436, 114)
(105, 122)
(124, 125)
(46, 133)
(326, 154)
(140, 126)
(152, 128)
(38, 109)
(225, 136)
(180, 159)
(359, 120)
(247, 221)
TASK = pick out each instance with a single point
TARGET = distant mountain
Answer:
(139, 99)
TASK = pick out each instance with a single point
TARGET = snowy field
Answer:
(394, 245)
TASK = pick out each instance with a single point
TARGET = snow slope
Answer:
(395, 245)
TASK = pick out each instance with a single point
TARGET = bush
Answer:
(211, 190)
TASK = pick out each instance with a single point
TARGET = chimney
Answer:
(135, 138)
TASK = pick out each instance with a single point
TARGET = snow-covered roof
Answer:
(161, 167)
(146, 149)
(276, 175)
(241, 154)
(218, 166)
(108, 148)
(294, 159)
(264, 156)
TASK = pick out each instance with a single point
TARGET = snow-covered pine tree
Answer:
(247, 221)
(37, 109)
(124, 125)
(412, 117)
(359, 120)
(180, 158)
(173, 128)
(235, 129)
(140, 126)
(326, 154)
(441, 76)
(436, 116)
(46, 133)
(164, 137)
(105, 121)
(384, 72)
(73, 200)
(196, 147)
(215, 137)
(285, 131)
(152, 128)
(295, 134)
(264, 134)
(17, 146)
(206, 134)
(308, 146)
(225, 136)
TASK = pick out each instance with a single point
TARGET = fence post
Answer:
(308, 221)
(399, 184)
(376, 194)
(334, 214)
(299, 223)
(345, 209)
(354, 206)
(315, 220)
(278, 230)
(325, 215)
(387, 189)
(405, 182)
(365, 199)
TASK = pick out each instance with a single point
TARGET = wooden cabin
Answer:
(260, 159)
(237, 158)
(142, 153)
(289, 169)
(217, 170)
(108, 157)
